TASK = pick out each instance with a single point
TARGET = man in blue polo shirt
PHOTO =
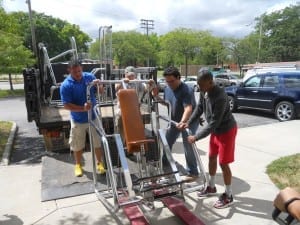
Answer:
(182, 100)
(74, 97)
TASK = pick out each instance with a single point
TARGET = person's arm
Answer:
(216, 118)
(196, 113)
(77, 108)
(188, 109)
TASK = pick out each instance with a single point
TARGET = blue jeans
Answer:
(172, 134)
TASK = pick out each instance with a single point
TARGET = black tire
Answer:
(232, 104)
(284, 111)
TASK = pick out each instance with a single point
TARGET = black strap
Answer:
(286, 205)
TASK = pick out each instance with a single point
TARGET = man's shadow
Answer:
(253, 207)
(11, 220)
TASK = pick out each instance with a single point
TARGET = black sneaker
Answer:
(209, 191)
(224, 201)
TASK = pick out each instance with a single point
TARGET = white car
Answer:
(227, 80)
(192, 82)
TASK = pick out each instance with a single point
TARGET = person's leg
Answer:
(77, 142)
(171, 135)
(98, 151)
(190, 157)
(227, 177)
(212, 168)
(226, 156)
(78, 156)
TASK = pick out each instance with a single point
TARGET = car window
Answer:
(271, 81)
(291, 81)
(222, 76)
(253, 81)
(233, 77)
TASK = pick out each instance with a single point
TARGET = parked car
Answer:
(275, 92)
(192, 82)
(161, 83)
(227, 79)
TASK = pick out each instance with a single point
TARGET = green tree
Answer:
(129, 48)
(13, 55)
(186, 46)
(53, 32)
(280, 32)
(179, 46)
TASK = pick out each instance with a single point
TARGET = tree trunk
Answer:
(186, 66)
(10, 82)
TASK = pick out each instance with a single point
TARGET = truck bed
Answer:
(53, 114)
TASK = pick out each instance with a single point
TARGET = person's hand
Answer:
(96, 81)
(126, 80)
(155, 92)
(87, 106)
(180, 125)
(191, 139)
(151, 82)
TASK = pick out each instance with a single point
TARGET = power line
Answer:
(147, 25)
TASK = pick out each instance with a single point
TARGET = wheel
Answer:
(232, 103)
(285, 111)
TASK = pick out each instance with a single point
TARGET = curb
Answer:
(9, 145)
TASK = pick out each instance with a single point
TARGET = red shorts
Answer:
(223, 145)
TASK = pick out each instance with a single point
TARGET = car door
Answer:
(248, 94)
(269, 91)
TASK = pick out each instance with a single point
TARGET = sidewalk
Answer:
(256, 147)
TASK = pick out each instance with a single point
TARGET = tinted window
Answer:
(291, 81)
(271, 81)
(253, 81)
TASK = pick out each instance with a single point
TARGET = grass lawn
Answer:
(9, 93)
(5, 128)
(285, 172)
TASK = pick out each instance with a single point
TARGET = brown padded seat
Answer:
(133, 125)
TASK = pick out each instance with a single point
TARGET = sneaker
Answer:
(224, 201)
(78, 170)
(209, 191)
(100, 168)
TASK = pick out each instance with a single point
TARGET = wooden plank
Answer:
(177, 207)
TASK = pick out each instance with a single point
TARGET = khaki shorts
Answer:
(78, 134)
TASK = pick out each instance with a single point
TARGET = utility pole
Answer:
(259, 40)
(33, 39)
(147, 25)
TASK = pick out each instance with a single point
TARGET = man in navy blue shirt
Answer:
(74, 97)
(182, 100)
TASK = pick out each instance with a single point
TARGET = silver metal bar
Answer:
(124, 164)
(70, 51)
(168, 153)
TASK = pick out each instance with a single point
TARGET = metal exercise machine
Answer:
(131, 184)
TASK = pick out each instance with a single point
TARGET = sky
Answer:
(230, 18)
